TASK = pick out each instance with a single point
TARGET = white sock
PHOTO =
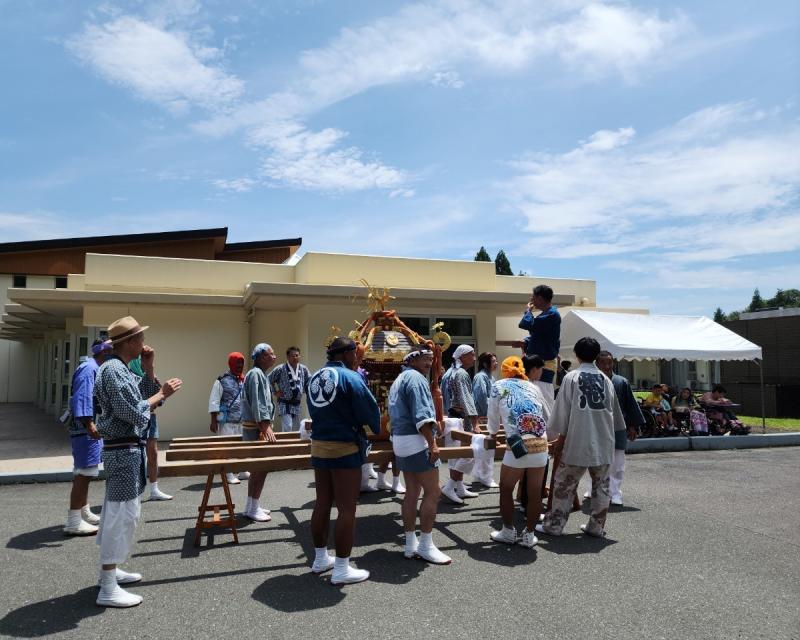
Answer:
(153, 487)
(381, 477)
(108, 577)
(249, 506)
(341, 564)
(426, 539)
(451, 484)
(321, 553)
(411, 538)
(73, 517)
(510, 529)
(255, 504)
(395, 482)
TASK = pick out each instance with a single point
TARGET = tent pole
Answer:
(763, 401)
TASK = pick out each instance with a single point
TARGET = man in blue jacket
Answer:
(544, 337)
(341, 408)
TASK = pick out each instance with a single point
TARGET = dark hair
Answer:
(686, 389)
(290, 349)
(339, 346)
(544, 291)
(718, 388)
(485, 361)
(97, 341)
(587, 349)
(657, 384)
(532, 362)
(565, 365)
(604, 354)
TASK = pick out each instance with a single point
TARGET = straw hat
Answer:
(123, 329)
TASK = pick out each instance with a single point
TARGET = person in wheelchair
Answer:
(660, 409)
(718, 408)
(682, 406)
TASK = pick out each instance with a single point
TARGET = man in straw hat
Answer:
(416, 454)
(125, 402)
(258, 412)
(87, 446)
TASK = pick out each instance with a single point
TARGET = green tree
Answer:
(786, 299)
(482, 255)
(719, 315)
(757, 301)
(502, 267)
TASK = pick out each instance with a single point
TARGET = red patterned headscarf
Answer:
(233, 359)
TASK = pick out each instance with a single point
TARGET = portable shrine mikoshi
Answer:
(383, 341)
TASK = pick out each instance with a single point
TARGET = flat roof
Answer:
(140, 238)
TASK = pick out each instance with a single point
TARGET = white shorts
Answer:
(88, 472)
(230, 429)
(118, 523)
(529, 461)
(290, 422)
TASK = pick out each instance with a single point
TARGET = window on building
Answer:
(461, 330)
(20, 281)
(61, 282)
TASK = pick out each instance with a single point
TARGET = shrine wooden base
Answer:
(217, 520)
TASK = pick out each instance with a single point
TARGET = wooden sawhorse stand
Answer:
(216, 519)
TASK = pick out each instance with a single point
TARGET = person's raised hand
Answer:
(171, 386)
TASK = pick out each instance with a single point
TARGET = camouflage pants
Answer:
(565, 485)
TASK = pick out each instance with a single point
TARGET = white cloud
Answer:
(238, 185)
(719, 183)
(160, 66)
(165, 58)
(447, 79)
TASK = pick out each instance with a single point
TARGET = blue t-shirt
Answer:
(81, 404)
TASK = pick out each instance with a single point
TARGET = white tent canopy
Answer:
(646, 337)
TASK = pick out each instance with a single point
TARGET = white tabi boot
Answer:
(254, 511)
(88, 516)
(157, 494)
(244, 475)
(428, 551)
(366, 487)
(343, 573)
(449, 491)
(382, 484)
(323, 561)
(76, 526)
(397, 486)
(112, 595)
(506, 535)
(232, 479)
(123, 577)
(412, 544)
(372, 473)
(463, 492)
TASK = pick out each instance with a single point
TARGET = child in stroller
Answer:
(718, 410)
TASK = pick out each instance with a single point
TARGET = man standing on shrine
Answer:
(545, 337)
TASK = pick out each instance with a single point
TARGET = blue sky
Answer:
(651, 146)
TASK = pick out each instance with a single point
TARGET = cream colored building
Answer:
(200, 310)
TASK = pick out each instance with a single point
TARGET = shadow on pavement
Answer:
(39, 539)
(505, 555)
(51, 616)
(390, 567)
(305, 592)
(574, 544)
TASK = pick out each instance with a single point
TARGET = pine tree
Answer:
(719, 315)
(757, 302)
(482, 255)
(502, 267)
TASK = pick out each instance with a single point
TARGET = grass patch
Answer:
(778, 424)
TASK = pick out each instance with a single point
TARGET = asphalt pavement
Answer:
(706, 546)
